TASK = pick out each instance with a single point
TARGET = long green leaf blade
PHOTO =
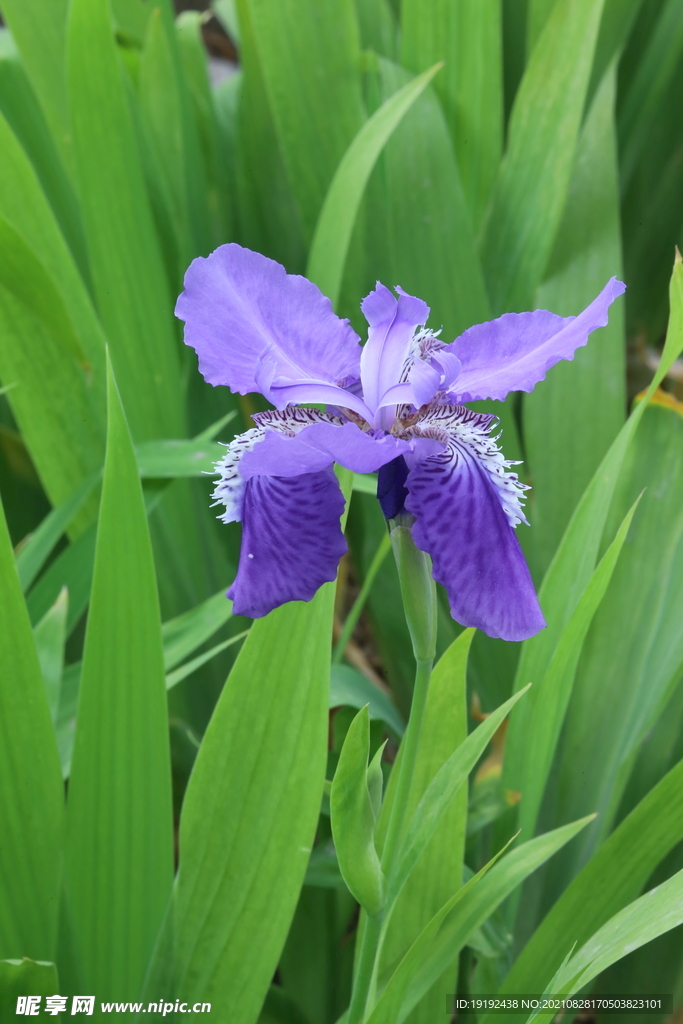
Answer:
(119, 852)
(555, 689)
(338, 215)
(129, 278)
(529, 196)
(32, 804)
(251, 809)
(575, 558)
(613, 877)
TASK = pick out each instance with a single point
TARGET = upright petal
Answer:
(291, 540)
(464, 513)
(392, 324)
(514, 352)
(242, 310)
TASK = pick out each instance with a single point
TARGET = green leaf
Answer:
(40, 544)
(530, 193)
(50, 636)
(658, 911)
(251, 809)
(648, 86)
(53, 402)
(575, 558)
(572, 417)
(439, 872)
(39, 28)
(378, 28)
(212, 171)
(25, 978)
(169, 458)
(469, 909)
(332, 236)
(351, 689)
(416, 204)
(365, 483)
(353, 818)
(554, 693)
(128, 275)
(25, 207)
(468, 38)
(389, 1006)
(182, 635)
(23, 113)
(302, 44)
(441, 791)
(613, 877)
(119, 853)
(71, 569)
(31, 808)
(626, 679)
(173, 678)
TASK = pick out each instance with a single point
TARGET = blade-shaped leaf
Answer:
(529, 195)
(182, 635)
(441, 791)
(556, 688)
(440, 869)
(301, 44)
(478, 902)
(338, 214)
(39, 546)
(613, 877)
(348, 687)
(50, 636)
(656, 912)
(119, 853)
(251, 808)
(71, 569)
(572, 417)
(40, 31)
(127, 270)
(168, 458)
(575, 558)
(468, 37)
(54, 403)
(353, 818)
(32, 804)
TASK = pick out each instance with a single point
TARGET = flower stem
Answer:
(419, 601)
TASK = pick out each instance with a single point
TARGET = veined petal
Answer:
(329, 394)
(229, 490)
(291, 540)
(514, 352)
(424, 380)
(465, 505)
(241, 308)
(319, 445)
(392, 323)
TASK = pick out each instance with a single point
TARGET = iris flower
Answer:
(394, 405)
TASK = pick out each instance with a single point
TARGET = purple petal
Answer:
(475, 553)
(425, 381)
(392, 324)
(514, 352)
(291, 541)
(241, 308)
(328, 394)
(319, 445)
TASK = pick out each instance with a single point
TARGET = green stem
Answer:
(354, 615)
(419, 601)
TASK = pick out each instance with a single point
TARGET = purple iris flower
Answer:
(393, 405)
